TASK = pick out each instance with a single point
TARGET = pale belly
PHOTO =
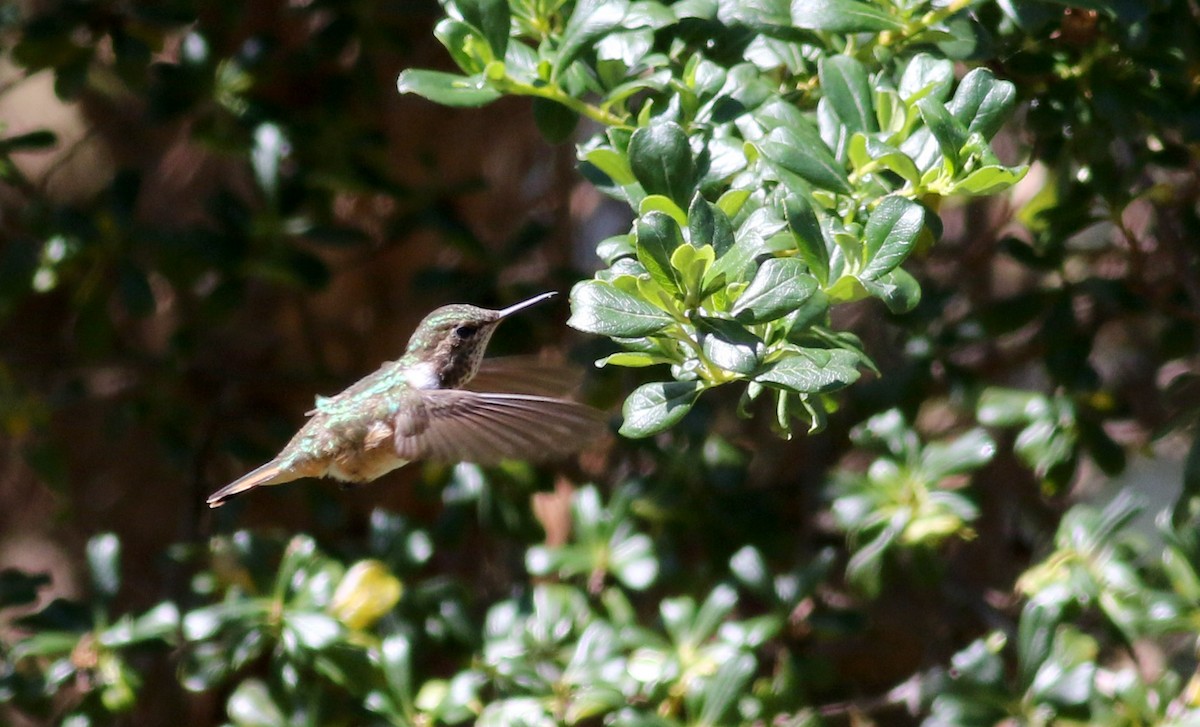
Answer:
(365, 466)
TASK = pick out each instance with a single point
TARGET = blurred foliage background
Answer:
(961, 491)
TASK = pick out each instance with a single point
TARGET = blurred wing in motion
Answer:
(524, 375)
(453, 425)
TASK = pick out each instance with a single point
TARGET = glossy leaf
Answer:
(492, 18)
(447, 89)
(845, 84)
(812, 371)
(598, 307)
(890, 235)
(841, 16)
(657, 238)
(658, 406)
(780, 286)
(661, 160)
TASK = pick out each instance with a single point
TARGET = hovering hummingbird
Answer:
(438, 401)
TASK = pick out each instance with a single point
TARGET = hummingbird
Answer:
(439, 401)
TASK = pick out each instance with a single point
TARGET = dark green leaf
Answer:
(702, 225)
(889, 236)
(845, 84)
(898, 290)
(555, 121)
(657, 238)
(780, 286)
(661, 160)
(750, 241)
(982, 103)
(841, 16)
(950, 134)
(598, 307)
(812, 371)
(806, 231)
(926, 75)
(589, 20)
(448, 89)
(492, 19)
(814, 163)
(658, 406)
(729, 345)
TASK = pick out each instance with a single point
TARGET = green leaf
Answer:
(104, 564)
(661, 160)
(395, 654)
(806, 231)
(926, 75)
(982, 103)
(555, 121)
(813, 162)
(632, 359)
(750, 241)
(964, 454)
(251, 705)
(723, 689)
(492, 18)
(780, 286)
(813, 371)
(841, 16)
(889, 236)
(658, 406)
(845, 84)
(448, 89)
(950, 134)
(729, 345)
(701, 223)
(989, 180)
(589, 20)
(1007, 407)
(898, 290)
(599, 307)
(863, 151)
(657, 237)
(659, 203)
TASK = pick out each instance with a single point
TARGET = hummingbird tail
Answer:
(269, 474)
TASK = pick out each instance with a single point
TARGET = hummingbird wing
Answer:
(453, 425)
(524, 375)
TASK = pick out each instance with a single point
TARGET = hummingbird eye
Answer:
(465, 331)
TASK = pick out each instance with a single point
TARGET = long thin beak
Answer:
(524, 304)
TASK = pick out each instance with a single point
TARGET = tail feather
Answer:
(269, 474)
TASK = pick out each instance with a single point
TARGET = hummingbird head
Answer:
(453, 338)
